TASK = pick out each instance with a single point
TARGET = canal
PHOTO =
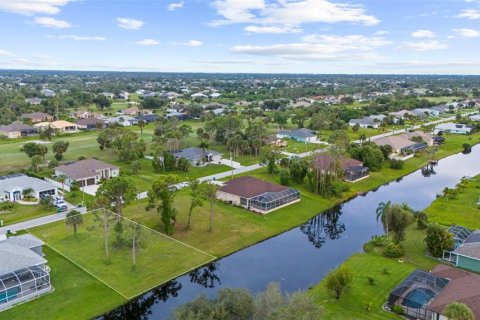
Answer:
(301, 257)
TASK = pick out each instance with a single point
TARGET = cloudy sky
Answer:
(291, 36)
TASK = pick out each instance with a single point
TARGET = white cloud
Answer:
(320, 47)
(272, 29)
(470, 14)
(129, 23)
(50, 22)
(289, 13)
(31, 7)
(423, 45)
(78, 38)
(466, 33)
(423, 33)
(193, 43)
(5, 53)
(381, 33)
(175, 5)
(148, 42)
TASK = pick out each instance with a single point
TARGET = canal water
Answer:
(301, 257)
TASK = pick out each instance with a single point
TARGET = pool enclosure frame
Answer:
(269, 201)
(23, 284)
(416, 280)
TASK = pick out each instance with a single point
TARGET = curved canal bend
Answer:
(301, 257)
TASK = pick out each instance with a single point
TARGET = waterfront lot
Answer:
(158, 258)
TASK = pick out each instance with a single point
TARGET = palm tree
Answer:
(210, 193)
(74, 219)
(382, 214)
(27, 192)
(62, 178)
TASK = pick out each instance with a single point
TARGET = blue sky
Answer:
(291, 36)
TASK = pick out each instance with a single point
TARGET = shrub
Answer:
(397, 309)
(371, 281)
(396, 164)
(422, 220)
(385, 271)
(7, 206)
(393, 250)
(82, 158)
(284, 177)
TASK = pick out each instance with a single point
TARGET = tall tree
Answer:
(119, 191)
(196, 198)
(398, 221)
(209, 191)
(161, 198)
(382, 213)
(269, 155)
(74, 219)
(59, 148)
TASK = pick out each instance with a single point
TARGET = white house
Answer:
(366, 122)
(451, 127)
(12, 186)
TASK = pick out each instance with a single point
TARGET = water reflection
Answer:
(140, 308)
(324, 226)
(428, 170)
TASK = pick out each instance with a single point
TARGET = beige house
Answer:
(36, 117)
(59, 125)
(87, 172)
(17, 130)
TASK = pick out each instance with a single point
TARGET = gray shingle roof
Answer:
(84, 168)
(194, 153)
(10, 182)
(15, 254)
(16, 127)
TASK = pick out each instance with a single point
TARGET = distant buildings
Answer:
(36, 117)
(301, 135)
(353, 170)
(199, 157)
(451, 127)
(17, 130)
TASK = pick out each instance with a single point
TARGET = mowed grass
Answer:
(159, 258)
(23, 213)
(352, 305)
(462, 210)
(77, 295)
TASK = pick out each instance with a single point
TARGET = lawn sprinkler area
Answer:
(138, 258)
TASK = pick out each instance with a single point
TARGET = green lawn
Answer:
(159, 259)
(352, 305)
(23, 212)
(77, 295)
(372, 264)
(462, 210)
(301, 147)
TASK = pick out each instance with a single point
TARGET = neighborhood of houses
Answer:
(24, 273)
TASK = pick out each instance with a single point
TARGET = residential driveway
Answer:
(91, 190)
(231, 163)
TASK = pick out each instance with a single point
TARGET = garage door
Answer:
(90, 181)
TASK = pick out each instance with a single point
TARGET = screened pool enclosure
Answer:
(23, 284)
(416, 293)
(270, 200)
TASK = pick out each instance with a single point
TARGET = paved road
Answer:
(38, 221)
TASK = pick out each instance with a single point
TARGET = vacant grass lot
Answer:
(461, 210)
(77, 295)
(158, 259)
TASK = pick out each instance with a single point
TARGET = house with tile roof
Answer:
(257, 195)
